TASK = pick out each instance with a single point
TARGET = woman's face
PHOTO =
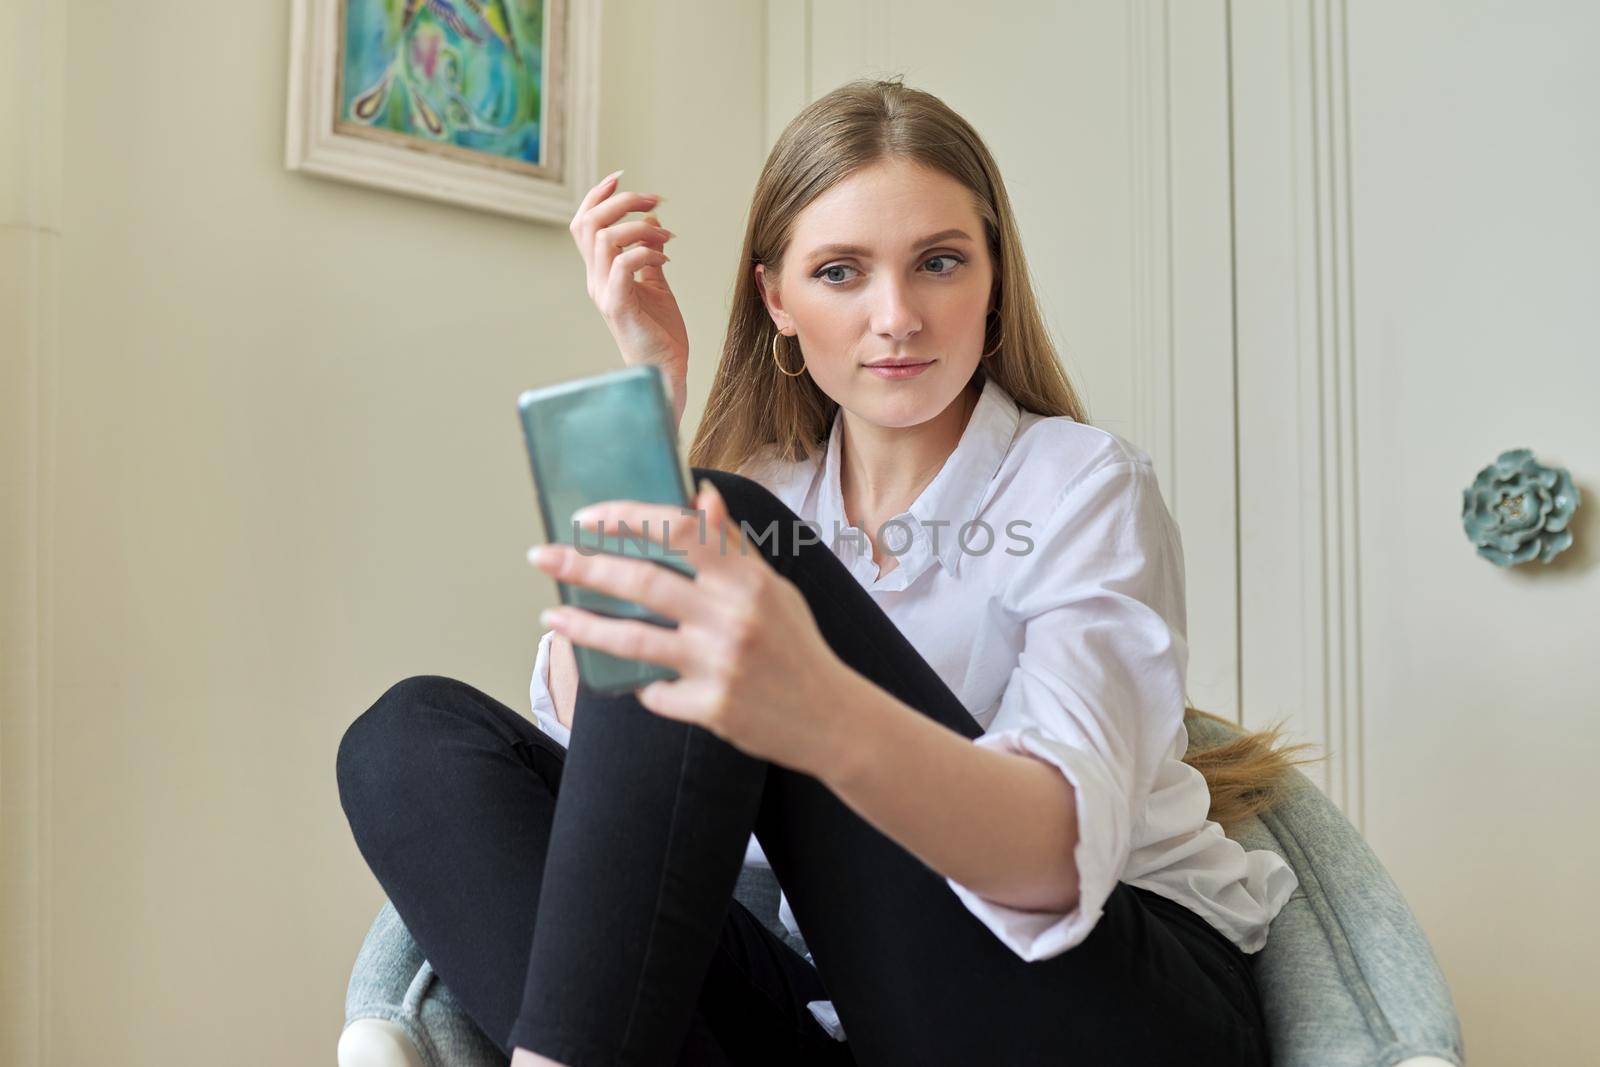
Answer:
(889, 264)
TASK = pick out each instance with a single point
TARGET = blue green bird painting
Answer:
(461, 73)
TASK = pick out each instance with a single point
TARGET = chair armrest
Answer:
(1347, 976)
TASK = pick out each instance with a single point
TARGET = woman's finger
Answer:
(723, 529)
(706, 543)
(580, 235)
(651, 273)
(609, 209)
(685, 699)
(612, 240)
(662, 589)
(605, 213)
(616, 286)
(625, 638)
(635, 512)
(600, 189)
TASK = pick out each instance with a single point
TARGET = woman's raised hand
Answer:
(642, 314)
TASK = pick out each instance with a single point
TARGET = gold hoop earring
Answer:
(998, 343)
(775, 359)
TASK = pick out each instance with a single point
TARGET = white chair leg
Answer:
(377, 1043)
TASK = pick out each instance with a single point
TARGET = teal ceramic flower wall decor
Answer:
(1517, 509)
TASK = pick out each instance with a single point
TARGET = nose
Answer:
(895, 316)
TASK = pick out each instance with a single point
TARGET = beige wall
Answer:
(279, 469)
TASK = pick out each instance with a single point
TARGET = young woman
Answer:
(933, 659)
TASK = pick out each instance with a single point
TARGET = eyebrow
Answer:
(857, 250)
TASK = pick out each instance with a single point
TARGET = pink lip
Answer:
(898, 370)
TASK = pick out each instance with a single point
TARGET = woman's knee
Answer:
(379, 747)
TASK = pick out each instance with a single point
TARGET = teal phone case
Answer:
(607, 437)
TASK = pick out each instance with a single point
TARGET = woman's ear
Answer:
(772, 298)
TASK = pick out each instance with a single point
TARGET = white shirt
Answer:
(1058, 619)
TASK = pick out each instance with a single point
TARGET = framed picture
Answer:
(487, 103)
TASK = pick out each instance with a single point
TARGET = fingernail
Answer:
(550, 616)
(613, 176)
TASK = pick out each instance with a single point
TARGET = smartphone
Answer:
(608, 437)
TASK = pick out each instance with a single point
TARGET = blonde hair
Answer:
(753, 410)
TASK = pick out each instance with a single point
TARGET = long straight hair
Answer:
(754, 411)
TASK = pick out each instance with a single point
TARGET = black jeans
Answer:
(640, 954)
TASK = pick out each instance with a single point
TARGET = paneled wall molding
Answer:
(1301, 611)
(31, 39)
(1181, 363)
(1151, 225)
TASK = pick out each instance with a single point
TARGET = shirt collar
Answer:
(952, 499)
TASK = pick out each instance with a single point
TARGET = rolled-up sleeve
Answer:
(1098, 690)
(544, 706)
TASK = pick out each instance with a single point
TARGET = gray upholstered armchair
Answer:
(1347, 975)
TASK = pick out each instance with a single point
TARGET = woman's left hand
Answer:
(753, 667)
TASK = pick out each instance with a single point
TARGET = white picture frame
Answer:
(547, 192)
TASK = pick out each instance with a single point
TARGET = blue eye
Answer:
(956, 261)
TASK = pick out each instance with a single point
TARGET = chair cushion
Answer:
(392, 981)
